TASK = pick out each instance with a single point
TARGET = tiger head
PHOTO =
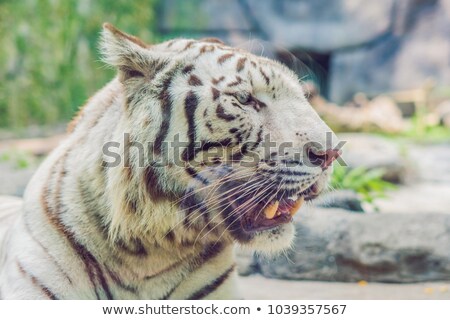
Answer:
(229, 147)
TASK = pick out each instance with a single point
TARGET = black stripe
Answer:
(291, 161)
(195, 81)
(189, 44)
(289, 181)
(48, 293)
(188, 69)
(194, 174)
(237, 105)
(259, 104)
(207, 145)
(171, 42)
(209, 126)
(211, 287)
(241, 64)
(224, 57)
(210, 252)
(191, 204)
(53, 215)
(217, 81)
(220, 112)
(165, 270)
(190, 106)
(133, 247)
(239, 136)
(259, 139)
(282, 171)
(216, 93)
(115, 278)
(237, 156)
(264, 76)
(235, 83)
(154, 187)
(166, 107)
(28, 229)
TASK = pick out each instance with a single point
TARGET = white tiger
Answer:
(164, 170)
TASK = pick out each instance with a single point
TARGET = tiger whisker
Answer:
(252, 200)
(218, 203)
(226, 205)
(261, 193)
(184, 209)
(216, 182)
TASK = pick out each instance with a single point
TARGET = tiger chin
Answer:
(192, 148)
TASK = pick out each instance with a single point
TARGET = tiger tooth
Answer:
(271, 210)
(297, 206)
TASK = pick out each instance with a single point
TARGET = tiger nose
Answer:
(322, 158)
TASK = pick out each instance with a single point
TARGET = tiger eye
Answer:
(244, 97)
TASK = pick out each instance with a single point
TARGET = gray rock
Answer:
(415, 49)
(343, 199)
(364, 46)
(374, 152)
(322, 25)
(419, 197)
(333, 245)
(431, 162)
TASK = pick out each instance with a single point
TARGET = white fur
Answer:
(72, 189)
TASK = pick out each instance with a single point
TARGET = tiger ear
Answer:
(129, 54)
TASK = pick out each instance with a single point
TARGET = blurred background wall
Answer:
(357, 46)
(49, 64)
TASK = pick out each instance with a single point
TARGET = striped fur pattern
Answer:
(140, 231)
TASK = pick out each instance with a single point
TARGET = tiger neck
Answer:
(76, 201)
(139, 260)
(175, 243)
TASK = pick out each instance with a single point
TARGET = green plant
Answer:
(49, 62)
(18, 159)
(418, 130)
(367, 183)
(422, 132)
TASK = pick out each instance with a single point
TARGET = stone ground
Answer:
(260, 288)
(429, 192)
(425, 198)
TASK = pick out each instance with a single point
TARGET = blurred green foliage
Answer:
(49, 62)
(367, 183)
(419, 131)
(19, 159)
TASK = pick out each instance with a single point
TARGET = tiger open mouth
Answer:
(250, 213)
(272, 214)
